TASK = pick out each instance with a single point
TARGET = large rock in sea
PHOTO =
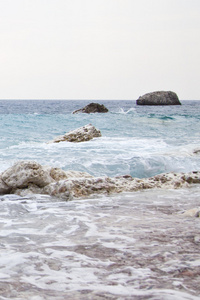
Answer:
(82, 134)
(159, 98)
(92, 108)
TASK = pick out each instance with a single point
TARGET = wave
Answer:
(108, 156)
(161, 117)
(121, 110)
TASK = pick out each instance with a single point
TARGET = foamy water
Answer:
(130, 246)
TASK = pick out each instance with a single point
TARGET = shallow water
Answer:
(128, 246)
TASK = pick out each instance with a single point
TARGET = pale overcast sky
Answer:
(99, 49)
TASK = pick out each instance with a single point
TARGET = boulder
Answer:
(82, 134)
(23, 173)
(92, 108)
(159, 98)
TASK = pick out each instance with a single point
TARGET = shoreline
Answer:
(29, 177)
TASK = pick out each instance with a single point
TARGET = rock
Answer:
(80, 187)
(196, 151)
(92, 108)
(4, 188)
(23, 173)
(30, 189)
(58, 174)
(194, 212)
(28, 177)
(82, 134)
(159, 98)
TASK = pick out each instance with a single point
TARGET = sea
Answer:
(121, 246)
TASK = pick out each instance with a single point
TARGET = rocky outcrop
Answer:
(92, 108)
(82, 134)
(25, 172)
(159, 98)
(29, 177)
(194, 212)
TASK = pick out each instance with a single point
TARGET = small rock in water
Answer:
(196, 151)
(82, 134)
(194, 212)
(92, 108)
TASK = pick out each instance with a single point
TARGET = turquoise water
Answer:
(138, 140)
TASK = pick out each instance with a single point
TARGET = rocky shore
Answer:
(29, 177)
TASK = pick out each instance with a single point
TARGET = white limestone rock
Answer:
(194, 212)
(58, 174)
(82, 134)
(23, 173)
(80, 187)
(29, 177)
(31, 189)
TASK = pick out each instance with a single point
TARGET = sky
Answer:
(99, 49)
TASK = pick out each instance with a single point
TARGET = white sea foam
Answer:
(130, 110)
(121, 246)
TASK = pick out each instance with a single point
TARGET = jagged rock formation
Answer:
(29, 177)
(82, 134)
(92, 108)
(159, 98)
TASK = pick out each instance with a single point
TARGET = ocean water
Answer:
(137, 140)
(126, 246)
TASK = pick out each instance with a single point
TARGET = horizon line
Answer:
(57, 99)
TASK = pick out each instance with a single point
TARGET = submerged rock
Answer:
(92, 108)
(159, 98)
(82, 134)
(196, 151)
(194, 212)
(29, 177)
